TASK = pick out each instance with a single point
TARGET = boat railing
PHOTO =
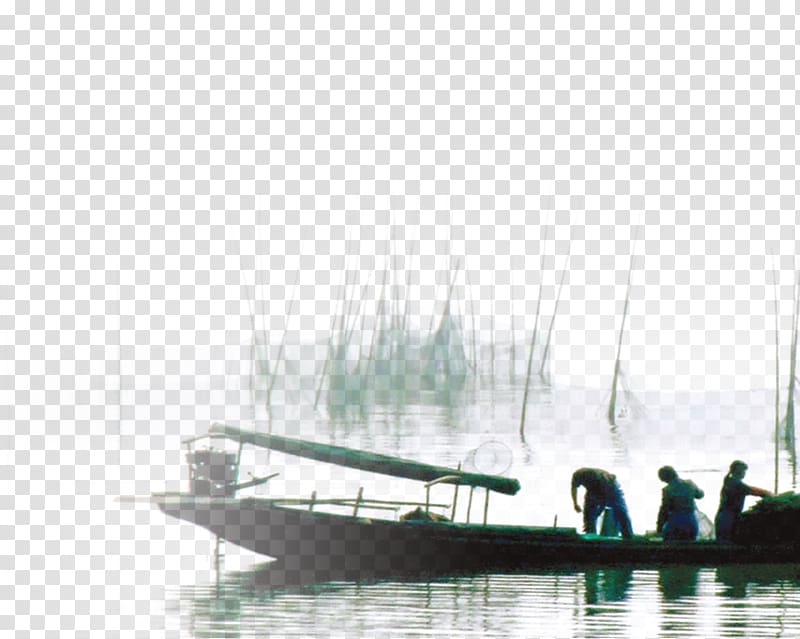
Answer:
(357, 503)
(457, 480)
(445, 479)
(360, 502)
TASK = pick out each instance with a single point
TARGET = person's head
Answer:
(738, 469)
(667, 474)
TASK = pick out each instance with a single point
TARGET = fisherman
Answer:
(677, 519)
(602, 491)
(731, 500)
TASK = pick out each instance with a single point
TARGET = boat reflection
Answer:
(605, 585)
(601, 584)
(738, 581)
(239, 601)
(677, 582)
(251, 603)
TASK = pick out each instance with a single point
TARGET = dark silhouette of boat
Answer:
(310, 543)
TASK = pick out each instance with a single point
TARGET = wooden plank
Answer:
(363, 460)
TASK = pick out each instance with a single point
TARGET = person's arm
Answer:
(758, 492)
(698, 493)
(663, 512)
(574, 492)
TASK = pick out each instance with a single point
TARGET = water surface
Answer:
(679, 602)
(699, 434)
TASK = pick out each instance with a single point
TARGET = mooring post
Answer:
(239, 453)
(217, 554)
(427, 497)
(358, 500)
(455, 499)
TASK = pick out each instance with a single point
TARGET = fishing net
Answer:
(704, 525)
(490, 458)
(626, 404)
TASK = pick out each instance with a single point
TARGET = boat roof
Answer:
(368, 461)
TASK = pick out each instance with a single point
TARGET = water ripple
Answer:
(683, 602)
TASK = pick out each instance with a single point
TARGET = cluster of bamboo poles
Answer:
(387, 364)
(398, 360)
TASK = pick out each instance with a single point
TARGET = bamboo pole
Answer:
(364, 460)
(378, 504)
(340, 501)
(278, 359)
(253, 355)
(553, 318)
(472, 317)
(345, 328)
(358, 500)
(340, 319)
(407, 291)
(777, 379)
(354, 312)
(446, 317)
(788, 422)
(380, 313)
(218, 555)
(533, 341)
(363, 319)
(491, 343)
(256, 481)
(427, 497)
(436, 290)
(513, 348)
(455, 499)
(790, 428)
(612, 402)
(255, 366)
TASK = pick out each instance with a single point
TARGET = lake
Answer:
(698, 433)
(677, 602)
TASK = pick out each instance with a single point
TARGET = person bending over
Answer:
(602, 491)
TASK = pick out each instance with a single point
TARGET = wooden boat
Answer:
(314, 545)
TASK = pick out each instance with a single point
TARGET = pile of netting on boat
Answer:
(772, 520)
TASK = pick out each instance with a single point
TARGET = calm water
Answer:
(698, 434)
(676, 602)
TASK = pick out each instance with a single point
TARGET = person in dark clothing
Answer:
(731, 500)
(676, 517)
(602, 491)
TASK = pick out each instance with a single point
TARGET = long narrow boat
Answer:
(310, 544)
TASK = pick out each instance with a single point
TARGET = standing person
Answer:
(731, 500)
(602, 491)
(676, 517)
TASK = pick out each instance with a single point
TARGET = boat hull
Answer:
(315, 545)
